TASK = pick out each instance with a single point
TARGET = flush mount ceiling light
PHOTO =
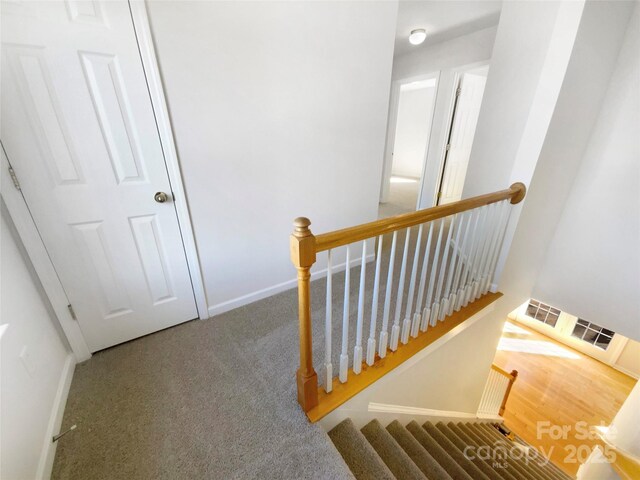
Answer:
(417, 36)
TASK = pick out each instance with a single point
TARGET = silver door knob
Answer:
(160, 197)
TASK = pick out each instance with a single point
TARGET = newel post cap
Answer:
(303, 244)
(301, 225)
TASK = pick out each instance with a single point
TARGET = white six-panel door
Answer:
(463, 130)
(79, 130)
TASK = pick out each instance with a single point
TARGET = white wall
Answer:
(463, 50)
(622, 353)
(33, 391)
(592, 266)
(537, 117)
(629, 359)
(448, 59)
(279, 110)
(415, 111)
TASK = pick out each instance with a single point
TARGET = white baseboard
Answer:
(45, 465)
(625, 371)
(387, 413)
(237, 302)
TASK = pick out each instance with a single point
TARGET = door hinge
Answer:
(14, 177)
(448, 147)
(458, 91)
(72, 312)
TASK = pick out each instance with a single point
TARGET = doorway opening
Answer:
(462, 128)
(413, 105)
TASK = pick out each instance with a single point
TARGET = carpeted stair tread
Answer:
(437, 452)
(493, 462)
(461, 445)
(539, 465)
(391, 452)
(492, 436)
(454, 452)
(418, 454)
(359, 455)
(524, 472)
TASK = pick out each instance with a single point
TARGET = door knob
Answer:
(160, 197)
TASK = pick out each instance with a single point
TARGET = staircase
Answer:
(458, 451)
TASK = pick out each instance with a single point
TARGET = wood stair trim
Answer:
(341, 392)
(624, 463)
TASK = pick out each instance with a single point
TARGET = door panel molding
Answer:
(142, 28)
(35, 248)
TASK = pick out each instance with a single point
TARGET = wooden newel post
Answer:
(514, 375)
(303, 256)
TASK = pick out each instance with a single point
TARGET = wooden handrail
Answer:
(512, 378)
(338, 238)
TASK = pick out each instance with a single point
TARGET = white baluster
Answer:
(384, 335)
(357, 350)
(395, 330)
(473, 242)
(486, 234)
(476, 256)
(498, 223)
(428, 311)
(344, 356)
(498, 248)
(420, 321)
(493, 235)
(437, 306)
(445, 310)
(406, 325)
(498, 394)
(371, 343)
(483, 401)
(489, 233)
(453, 299)
(488, 396)
(328, 367)
(492, 391)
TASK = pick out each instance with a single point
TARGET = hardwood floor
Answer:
(559, 385)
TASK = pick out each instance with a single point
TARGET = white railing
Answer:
(456, 272)
(496, 391)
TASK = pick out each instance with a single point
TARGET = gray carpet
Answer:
(423, 460)
(364, 461)
(391, 453)
(211, 399)
(206, 399)
(435, 452)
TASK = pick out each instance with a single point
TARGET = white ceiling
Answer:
(443, 20)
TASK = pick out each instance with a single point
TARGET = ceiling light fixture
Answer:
(417, 36)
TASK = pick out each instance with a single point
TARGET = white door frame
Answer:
(21, 217)
(142, 28)
(28, 232)
(432, 190)
(394, 101)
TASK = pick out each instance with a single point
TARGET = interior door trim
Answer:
(39, 257)
(147, 51)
